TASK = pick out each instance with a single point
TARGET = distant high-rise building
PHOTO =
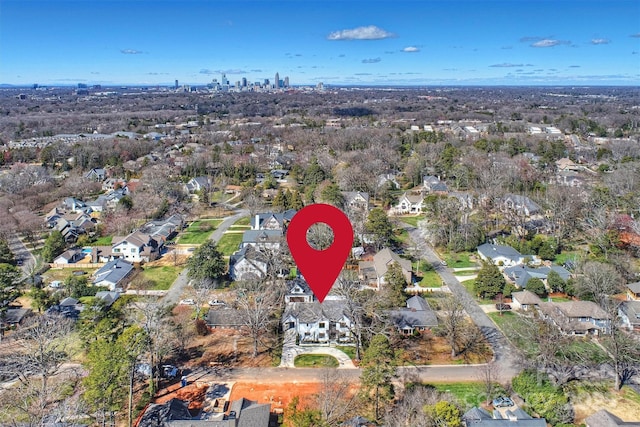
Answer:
(266, 83)
(224, 82)
(286, 81)
(176, 84)
(277, 81)
(244, 82)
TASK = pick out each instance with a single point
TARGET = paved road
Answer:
(175, 292)
(22, 253)
(504, 353)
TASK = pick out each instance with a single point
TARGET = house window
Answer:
(322, 325)
(116, 250)
(133, 250)
(322, 335)
(343, 324)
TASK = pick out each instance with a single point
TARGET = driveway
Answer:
(290, 350)
(175, 292)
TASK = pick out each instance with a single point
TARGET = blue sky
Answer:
(402, 42)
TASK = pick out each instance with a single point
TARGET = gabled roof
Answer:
(482, 418)
(311, 312)
(281, 217)
(250, 413)
(174, 409)
(526, 298)
(492, 251)
(113, 272)
(634, 287)
(416, 314)
(261, 236)
(298, 286)
(631, 309)
(582, 309)
(384, 258)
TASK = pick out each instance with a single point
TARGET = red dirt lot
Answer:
(277, 394)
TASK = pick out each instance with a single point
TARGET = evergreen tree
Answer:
(536, 286)
(395, 283)
(206, 263)
(490, 281)
(53, 246)
(331, 194)
(6, 256)
(555, 282)
(378, 223)
(296, 201)
(378, 368)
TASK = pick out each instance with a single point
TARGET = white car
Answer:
(216, 302)
(55, 284)
(187, 301)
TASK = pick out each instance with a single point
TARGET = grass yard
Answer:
(560, 259)
(348, 350)
(430, 279)
(459, 260)
(470, 394)
(161, 277)
(412, 220)
(229, 243)
(198, 231)
(315, 361)
(103, 241)
(401, 236)
(244, 221)
(63, 274)
(469, 286)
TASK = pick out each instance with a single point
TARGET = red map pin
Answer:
(320, 268)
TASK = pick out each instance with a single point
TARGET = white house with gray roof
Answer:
(416, 316)
(502, 255)
(319, 323)
(113, 274)
(479, 417)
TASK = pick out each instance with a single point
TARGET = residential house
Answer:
(199, 183)
(466, 200)
(577, 317)
(13, 317)
(247, 264)
(279, 174)
(521, 274)
(137, 247)
(502, 255)
(633, 291)
(111, 184)
(525, 300)
(101, 254)
(604, 418)
(433, 185)
(113, 274)
(164, 229)
(479, 417)
(569, 179)
(373, 272)
(629, 315)
(225, 318)
(262, 239)
(96, 174)
(417, 316)
(108, 200)
(522, 205)
(566, 164)
(356, 202)
(299, 291)
(272, 220)
(389, 178)
(70, 256)
(68, 307)
(409, 204)
(319, 323)
(107, 298)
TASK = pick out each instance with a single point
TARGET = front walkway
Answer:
(290, 350)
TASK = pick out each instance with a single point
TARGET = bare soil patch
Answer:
(229, 347)
(616, 402)
(279, 395)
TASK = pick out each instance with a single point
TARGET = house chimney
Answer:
(257, 222)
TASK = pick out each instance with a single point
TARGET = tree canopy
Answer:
(490, 281)
(206, 263)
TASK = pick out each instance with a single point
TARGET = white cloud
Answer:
(548, 43)
(411, 49)
(361, 33)
(371, 60)
(599, 41)
(506, 65)
(131, 51)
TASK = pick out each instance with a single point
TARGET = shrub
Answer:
(201, 327)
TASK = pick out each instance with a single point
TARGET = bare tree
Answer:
(453, 323)
(257, 303)
(337, 398)
(597, 281)
(488, 375)
(41, 348)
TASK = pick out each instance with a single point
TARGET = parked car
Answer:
(502, 402)
(187, 301)
(503, 307)
(216, 302)
(56, 284)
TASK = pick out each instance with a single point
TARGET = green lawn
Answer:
(348, 350)
(162, 277)
(564, 256)
(401, 236)
(103, 241)
(198, 231)
(315, 361)
(229, 243)
(459, 260)
(412, 220)
(430, 279)
(469, 285)
(470, 394)
(242, 221)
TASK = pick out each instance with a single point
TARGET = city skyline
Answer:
(352, 42)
